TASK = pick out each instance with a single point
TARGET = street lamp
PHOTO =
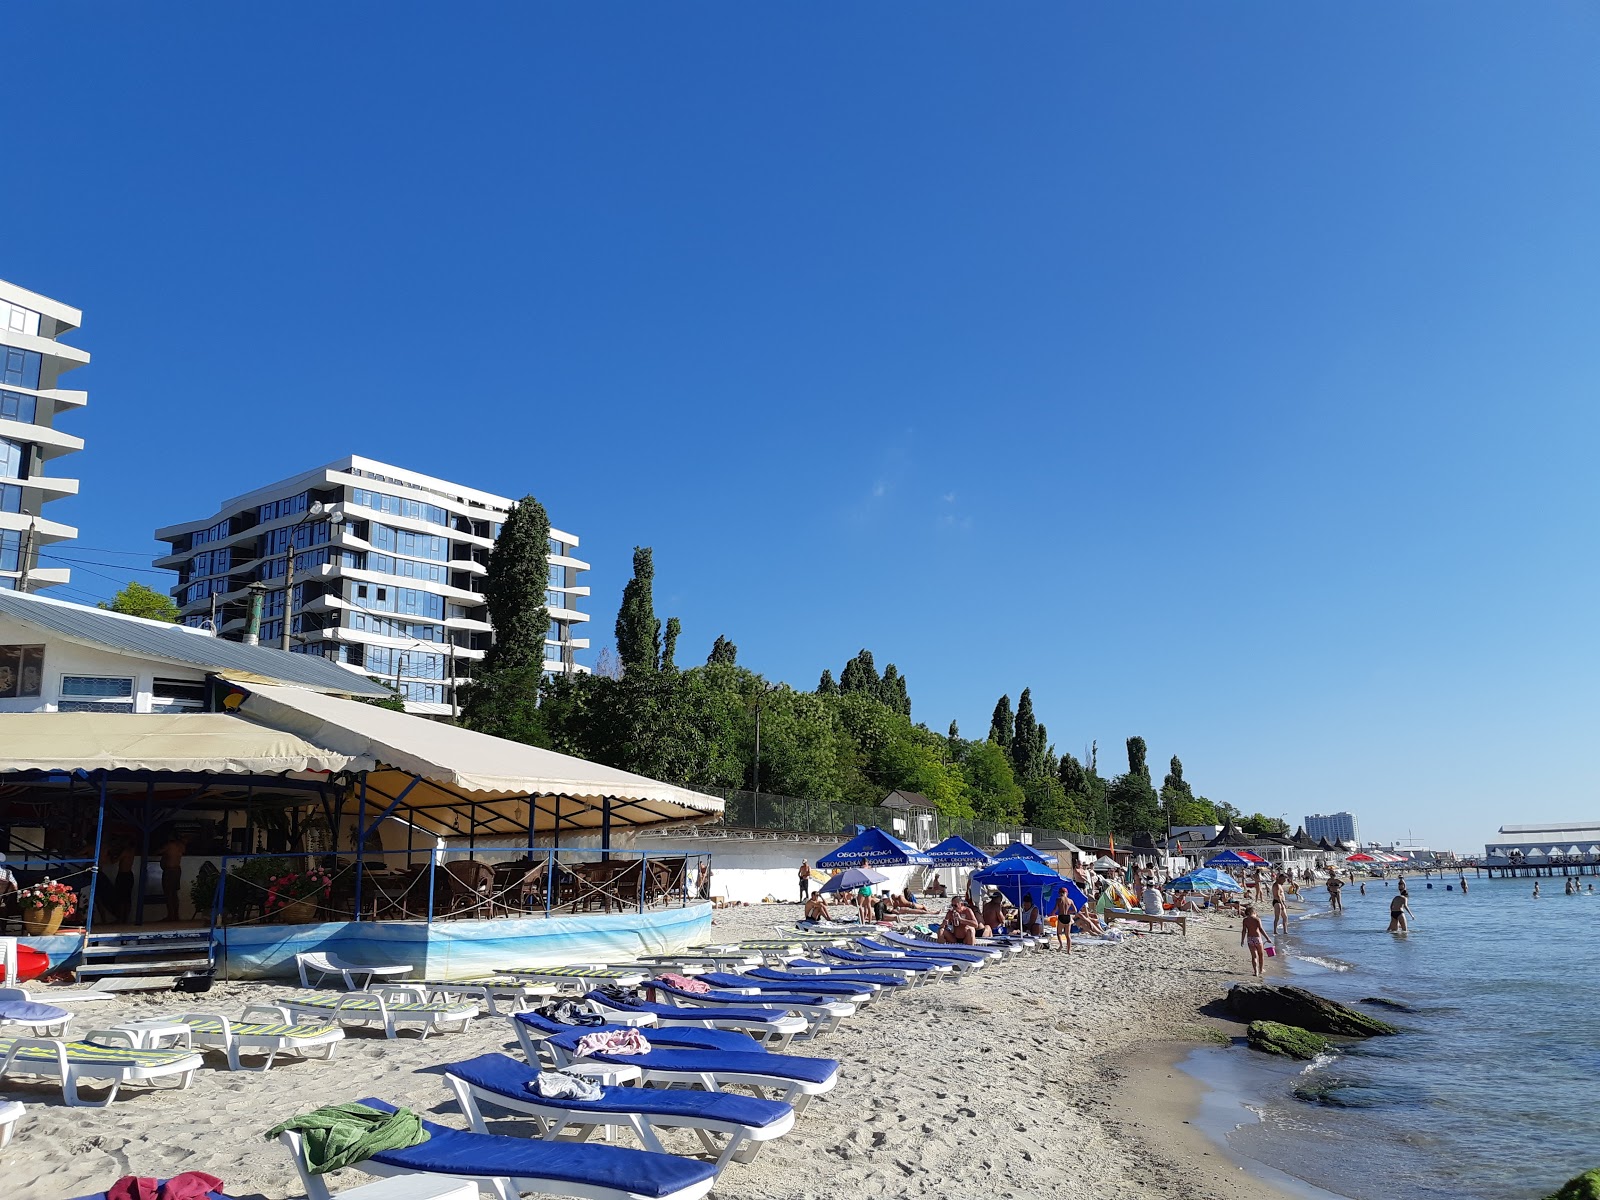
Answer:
(318, 511)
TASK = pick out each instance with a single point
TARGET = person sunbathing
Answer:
(994, 913)
(959, 925)
(1085, 921)
(817, 908)
(903, 904)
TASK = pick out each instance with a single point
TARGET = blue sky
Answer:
(1225, 373)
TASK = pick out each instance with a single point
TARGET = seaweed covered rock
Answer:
(1385, 1002)
(1581, 1187)
(1296, 1006)
(1288, 1040)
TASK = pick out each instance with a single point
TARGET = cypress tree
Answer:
(1071, 773)
(638, 628)
(1024, 732)
(953, 737)
(1000, 723)
(723, 652)
(1136, 757)
(514, 586)
(892, 691)
(826, 686)
(861, 675)
(669, 645)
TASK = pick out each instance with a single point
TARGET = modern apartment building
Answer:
(32, 361)
(388, 568)
(1336, 827)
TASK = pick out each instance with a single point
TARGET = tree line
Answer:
(850, 739)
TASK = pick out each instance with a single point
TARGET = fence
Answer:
(826, 818)
(430, 885)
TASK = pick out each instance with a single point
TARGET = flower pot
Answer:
(43, 921)
(296, 912)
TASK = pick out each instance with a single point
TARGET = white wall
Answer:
(62, 657)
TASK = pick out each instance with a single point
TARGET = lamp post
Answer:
(318, 511)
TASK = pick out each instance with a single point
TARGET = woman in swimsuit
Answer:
(1254, 935)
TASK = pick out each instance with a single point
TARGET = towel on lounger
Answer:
(611, 1041)
(683, 983)
(558, 1085)
(340, 1134)
(191, 1185)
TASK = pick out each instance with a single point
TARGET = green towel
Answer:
(341, 1134)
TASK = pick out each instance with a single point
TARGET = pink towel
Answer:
(683, 983)
(611, 1041)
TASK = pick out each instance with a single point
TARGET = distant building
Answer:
(1538, 844)
(393, 589)
(32, 361)
(1336, 827)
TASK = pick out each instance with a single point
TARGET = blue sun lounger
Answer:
(822, 1013)
(772, 1027)
(742, 1122)
(899, 955)
(841, 959)
(507, 1166)
(987, 952)
(882, 984)
(829, 989)
(531, 1029)
(949, 955)
(793, 1078)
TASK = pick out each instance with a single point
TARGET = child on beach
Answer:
(1254, 935)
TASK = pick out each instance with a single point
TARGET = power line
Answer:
(96, 562)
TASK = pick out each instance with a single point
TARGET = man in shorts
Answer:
(1280, 904)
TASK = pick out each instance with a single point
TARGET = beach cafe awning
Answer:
(874, 847)
(455, 782)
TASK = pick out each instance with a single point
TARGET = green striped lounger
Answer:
(365, 1008)
(582, 975)
(519, 995)
(72, 1062)
(270, 1037)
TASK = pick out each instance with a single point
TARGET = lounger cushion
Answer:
(506, 1076)
(840, 977)
(31, 1012)
(819, 987)
(695, 1039)
(904, 963)
(454, 1152)
(259, 1029)
(677, 1014)
(86, 1054)
(783, 999)
(355, 1002)
(780, 1066)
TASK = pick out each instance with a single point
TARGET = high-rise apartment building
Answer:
(1336, 827)
(388, 568)
(32, 361)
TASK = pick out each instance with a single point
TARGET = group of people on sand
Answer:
(965, 923)
(871, 904)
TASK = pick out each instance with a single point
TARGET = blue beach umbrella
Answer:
(874, 847)
(1204, 880)
(1023, 850)
(1016, 877)
(1229, 858)
(956, 851)
(855, 877)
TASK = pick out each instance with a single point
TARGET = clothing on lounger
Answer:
(611, 1041)
(682, 982)
(558, 1085)
(191, 1185)
(340, 1134)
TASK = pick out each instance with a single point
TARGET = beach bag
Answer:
(1272, 951)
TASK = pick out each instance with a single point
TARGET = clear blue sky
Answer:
(1226, 373)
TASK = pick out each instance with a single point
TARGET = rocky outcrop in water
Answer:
(1385, 1002)
(1296, 1006)
(1290, 1041)
(1581, 1187)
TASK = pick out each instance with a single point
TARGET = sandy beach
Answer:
(1048, 1075)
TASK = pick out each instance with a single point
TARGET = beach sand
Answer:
(1050, 1075)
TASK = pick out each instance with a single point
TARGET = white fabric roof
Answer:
(211, 742)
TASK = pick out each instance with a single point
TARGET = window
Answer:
(21, 671)
(20, 367)
(218, 531)
(178, 695)
(16, 319)
(10, 549)
(398, 507)
(14, 459)
(95, 693)
(416, 664)
(414, 545)
(426, 693)
(287, 507)
(10, 497)
(405, 567)
(558, 576)
(16, 406)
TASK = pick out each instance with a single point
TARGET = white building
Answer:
(388, 574)
(1541, 845)
(1336, 827)
(32, 361)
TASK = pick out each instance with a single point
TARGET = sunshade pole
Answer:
(550, 877)
(94, 868)
(144, 852)
(605, 828)
(361, 841)
(555, 829)
(433, 871)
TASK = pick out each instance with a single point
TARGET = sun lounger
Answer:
(894, 961)
(533, 1028)
(581, 975)
(1150, 919)
(742, 1122)
(963, 963)
(755, 985)
(271, 1037)
(10, 1113)
(327, 964)
(873, 971)
(507, 1166)
(772, 1027)
(488, 990)
(364, 1008)
(52, 996)
(881, 984)
(901, 941)
(823, 1014)
(793, 1078)
(731, 959)
(47, 1019)
(73, 1062)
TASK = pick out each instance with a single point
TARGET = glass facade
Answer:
(422, 693)
(287, 507)
(407, 567)
(14, 458)
(18, 406)
(10, 549)
(413, 545)
(390, 627)
(10, 497)
(20, 367)
(417, 664)
(397, 506)
(215, 534)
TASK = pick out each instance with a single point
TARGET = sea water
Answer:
(1491, 1091)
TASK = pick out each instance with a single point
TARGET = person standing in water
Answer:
(1280, 905)
(1399, 910)
(1254, 935)
(1335, 888)
(1535, 889)
(1463, 885)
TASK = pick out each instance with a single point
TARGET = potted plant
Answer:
(44, 905)
(293, 897)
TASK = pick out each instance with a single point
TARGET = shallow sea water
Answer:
(1491, 1090)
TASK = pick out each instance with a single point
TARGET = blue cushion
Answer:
(675, 1012)
(455, 1152)
(923, 955)
(821, 987)
(779, 1066)
(505, 1076)
(896, 964)
(830, 981)
(28, 1010)
(783, 999)
(698, 1039)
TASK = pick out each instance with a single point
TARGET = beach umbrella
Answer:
(855, 877)
(1229, 858)
(1205, 880)
(1023, 850)
(1016, 877)
(1105, 864)
(876, 848)
(1249, 857)
(956, 851)
(1357, 857)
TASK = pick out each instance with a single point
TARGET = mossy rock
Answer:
(1288, 1040)
(1385, 1002)
(1303, 1009)
(1581, 1187)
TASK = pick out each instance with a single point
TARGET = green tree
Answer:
(1024, 732)
(505, 703)
(991, 786)
(892, 691)
(669, 644)
(515, 587)
(953, 737)
(638, 627)
(1258, 824)
(723, 653)
(826, 686)
(1000, 724)
(861, 675)
(1136, 757)
(1135, 808)
(137, 600)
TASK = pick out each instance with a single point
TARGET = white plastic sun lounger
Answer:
(580, 976)
(499, 995)
(52, 996)
(73, 1062)
(363, 1009)
(507, 1166)
(270, 1037)
(742, 1122)
(327, 964)
(10, 1113)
